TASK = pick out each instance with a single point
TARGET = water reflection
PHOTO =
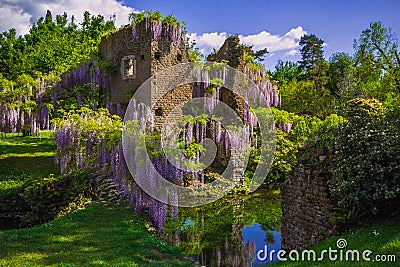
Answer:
(261, 237)
(228, 232)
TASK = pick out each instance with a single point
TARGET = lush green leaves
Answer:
(377, 50)
(305, 98)
(366, 171)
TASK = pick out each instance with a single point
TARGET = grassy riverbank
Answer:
(382, 239)
(95, 236)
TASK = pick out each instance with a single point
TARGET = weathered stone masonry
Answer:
(137, 59)
(307, 207)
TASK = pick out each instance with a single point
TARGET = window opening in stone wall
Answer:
(142, 57)
(179, 57)
(159, 112)
(157, 56)
(128, 67)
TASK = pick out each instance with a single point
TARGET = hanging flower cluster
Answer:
(88, 139)
(266, 89)
(23, 107)
(193, 131)
(147, 170)
(158, 211)
(167, 27)
(213, 77)
(89, 76)
(84, 135)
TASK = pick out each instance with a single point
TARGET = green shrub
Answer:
(47, 197)
(304, 129)
(366, 169)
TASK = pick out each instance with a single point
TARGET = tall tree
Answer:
(285, 72)
(341, 66)
(377, 52)
(312, 64)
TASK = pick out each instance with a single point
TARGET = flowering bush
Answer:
(366, 170)
(85, 138)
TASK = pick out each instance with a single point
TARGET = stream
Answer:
(229, 231)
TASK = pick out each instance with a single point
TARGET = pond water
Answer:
(230, 231)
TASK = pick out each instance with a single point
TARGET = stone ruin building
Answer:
(139, 56)
(139, 53)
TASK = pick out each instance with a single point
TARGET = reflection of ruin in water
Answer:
(213, 234)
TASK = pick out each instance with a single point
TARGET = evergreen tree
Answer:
(312, 64)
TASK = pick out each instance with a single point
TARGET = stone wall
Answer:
(149, 57)
(232, 52)
(39, 202)
(114, 48)
(307, 208)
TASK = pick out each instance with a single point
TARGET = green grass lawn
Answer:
(381, 238)
(22, 158)
(95, 236)
(104, 236)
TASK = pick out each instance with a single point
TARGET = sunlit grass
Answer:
(26, 157)
(96, 236)
(380, 238)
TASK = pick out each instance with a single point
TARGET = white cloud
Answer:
(208, 41)
(21, 14)
(14, 18)
(288, 43)
(291, 53)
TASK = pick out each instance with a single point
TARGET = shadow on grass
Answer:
(27, 144)
(38, 166)
(97, 236)
(24, 157)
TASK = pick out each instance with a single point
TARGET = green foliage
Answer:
(304, 129)
(214, 84)
(340, 68)
(366, 172)
(98, 127)
(193, 149)
(312, 64)
(251, 56)
(284, 158)
(51, 46)
(377, 55)
(49, 196)
(285, 72)
(304, 97)
(107, 66)
(361, 110)
(137, 18)
(195, 55)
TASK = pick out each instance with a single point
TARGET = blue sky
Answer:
(276, 25)
(338, 22)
